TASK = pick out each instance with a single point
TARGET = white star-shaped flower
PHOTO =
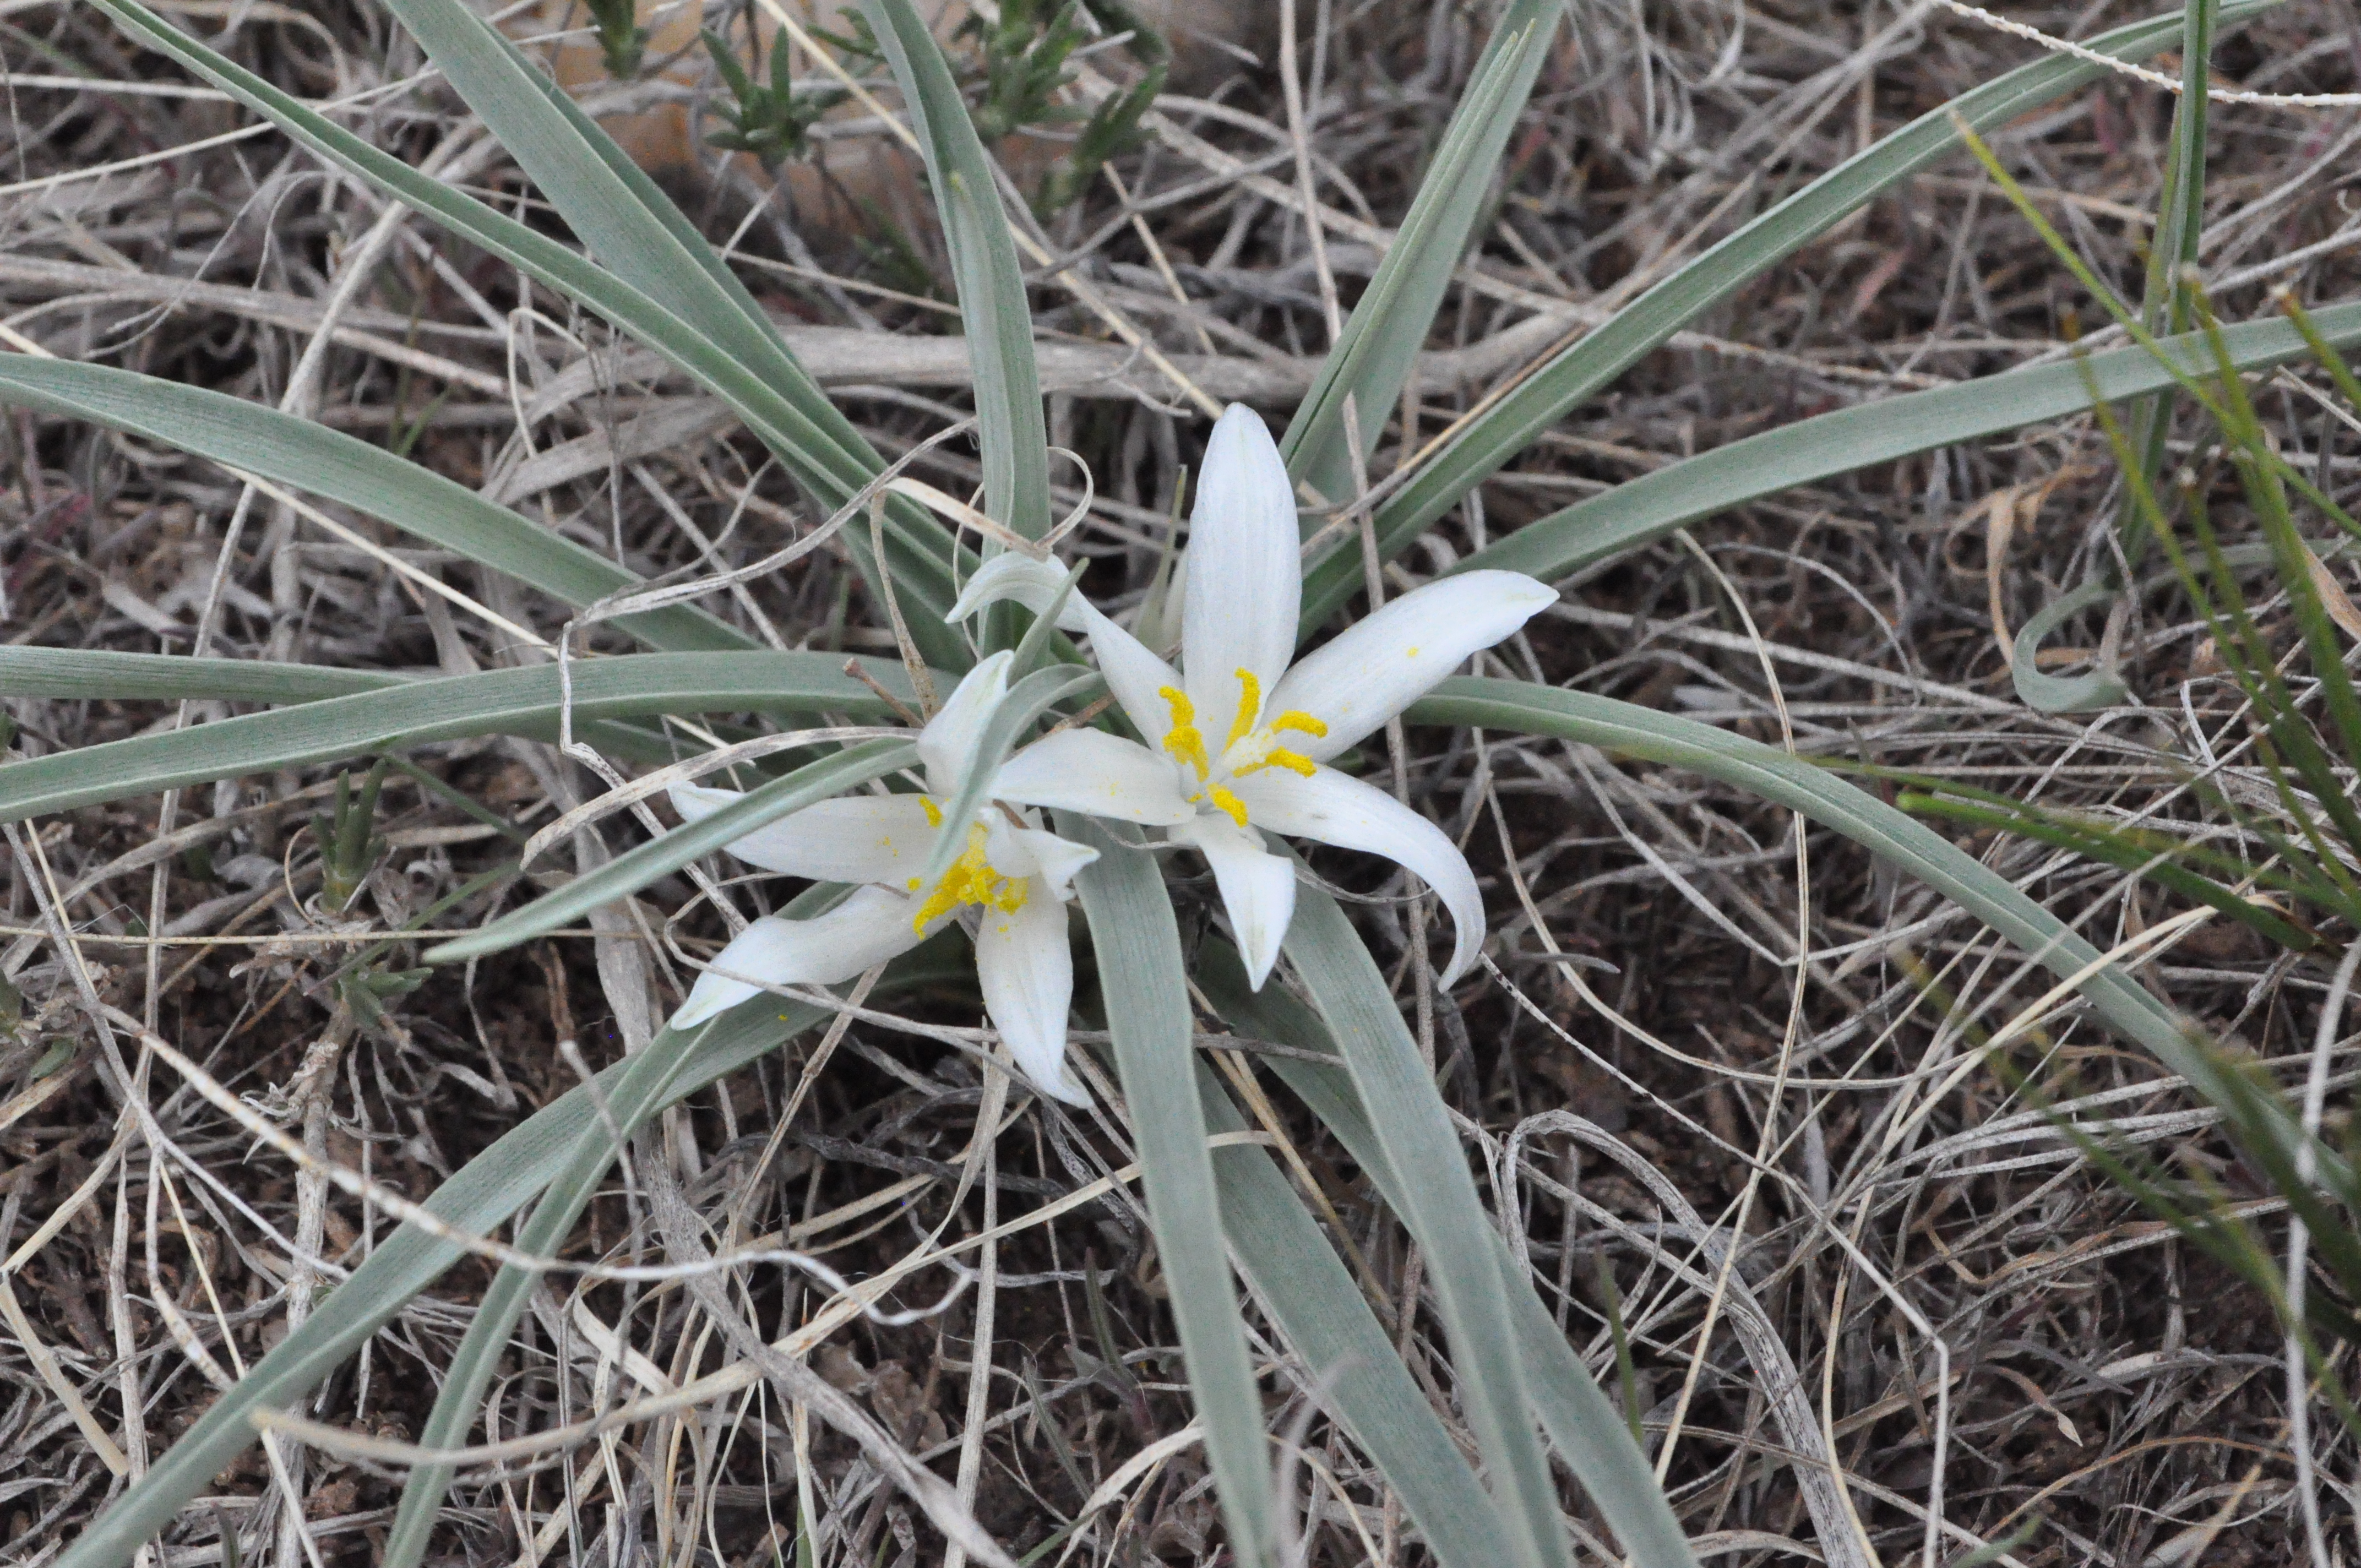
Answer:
(1239, 738)
(1013, 874)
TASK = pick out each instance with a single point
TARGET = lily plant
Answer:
(1012, 878)
(1280, 720)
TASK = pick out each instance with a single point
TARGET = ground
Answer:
(1702, 1019)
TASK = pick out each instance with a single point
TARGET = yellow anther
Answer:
(1231, 803)
(1183, 740)
(1250, 708)
(1296, 718)
(971, 880)
(1294, 762)
(934, 812)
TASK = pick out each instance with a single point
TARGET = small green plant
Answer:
(772, 120)
(1025, 50)
(349, 848)
(622, 42)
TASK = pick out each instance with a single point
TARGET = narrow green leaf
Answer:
(648, 1080)
(343, 468)
(477, 1200)
(495, 702)
(1328, 1324)
(1389, 326)
(2180, 220)
(1437, 1201)
(629, 871)
(1595, 1442)
(1627, 729)
(1650, 507)
(99, 674)
(1149, 1018)
(1511, 425)
(984, 267)
(919, 552)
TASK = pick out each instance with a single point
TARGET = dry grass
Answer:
(1729, 1048)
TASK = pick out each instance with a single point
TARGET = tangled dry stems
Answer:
(1739, 1071)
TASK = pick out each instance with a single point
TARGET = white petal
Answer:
(1334, 809)
(851, 938)
(1015, 852)
(1026, 974)
(1246, 579)
(1377, 667)
(1258, 888)
(1136, 676)
(949, 738)
(855, 838)
(1133, 672)
(1093, 772)
(1015, 576)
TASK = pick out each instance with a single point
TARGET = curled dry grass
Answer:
(1695, 1029)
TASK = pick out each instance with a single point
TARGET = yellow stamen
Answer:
(1183, 740)
(1231, 803)
(1296, 718)
(934, 812)
(1250, 708)
(1294, 762)
(971, 880)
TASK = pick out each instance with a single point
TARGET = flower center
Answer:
(1251, 746)
(971, 880)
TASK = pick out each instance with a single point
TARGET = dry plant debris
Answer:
(1724, 1063)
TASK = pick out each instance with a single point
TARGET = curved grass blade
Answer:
(629, 871)
(1437, 1201)
(1594, 1439)
(919, 553)
(2102, 687)
(984, 267)
(1627, 729)
(345, 468)
(1387, 327)
(1652, 506)
(1149, 1018)
(477, 1200)
(495, 702)
(1328, 1322)
(1511, 424)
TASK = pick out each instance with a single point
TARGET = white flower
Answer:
(1243, 736)
(1016, 877)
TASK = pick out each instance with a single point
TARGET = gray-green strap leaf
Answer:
(1644, 510)
(1590, 1435)
(919, 551)
(2102, 687)
(345, 468)
(1153, 1030)
(495, 702)
(1389, 326)
(1438, 1203)
(1627, 729)
(1328, 1324)
(1517, 420)
(983, 269)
